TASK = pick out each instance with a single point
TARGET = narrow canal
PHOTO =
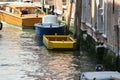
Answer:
(22, 58)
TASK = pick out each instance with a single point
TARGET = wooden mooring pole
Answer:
(77, 21)
(68, 19)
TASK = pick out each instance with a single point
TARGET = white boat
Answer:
(100, 75)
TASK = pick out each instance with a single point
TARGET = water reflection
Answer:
(61, 65)
(21, 58)
(39, 40)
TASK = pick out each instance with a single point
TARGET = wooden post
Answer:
(77, 21)
(42, 4)
(68, 19)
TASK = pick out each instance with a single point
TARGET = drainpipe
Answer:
(105, 17)
(97, 4)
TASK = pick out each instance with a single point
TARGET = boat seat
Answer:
(2, 8)
(24, 12)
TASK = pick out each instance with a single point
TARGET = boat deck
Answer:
(59, 38)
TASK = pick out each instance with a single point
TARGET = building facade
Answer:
(62, 7)
(101, 20)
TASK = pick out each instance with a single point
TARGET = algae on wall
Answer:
(109, 58)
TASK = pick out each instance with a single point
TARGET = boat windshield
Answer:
(31, 11)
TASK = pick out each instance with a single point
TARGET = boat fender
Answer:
(1, 25)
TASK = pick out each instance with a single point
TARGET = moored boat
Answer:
(21, 14)
(49, 29)
(49, 26)
(100, 75)
(59, 42)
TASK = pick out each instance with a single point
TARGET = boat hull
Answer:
(41, 30)
(19, 21)
(10, 18)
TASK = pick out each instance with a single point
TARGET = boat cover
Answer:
(100, 75)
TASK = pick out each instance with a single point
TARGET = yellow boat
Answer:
(21, 14)
(59, 42)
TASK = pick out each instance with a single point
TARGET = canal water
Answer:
(23, 57)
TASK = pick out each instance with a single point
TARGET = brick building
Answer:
(62, 7)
